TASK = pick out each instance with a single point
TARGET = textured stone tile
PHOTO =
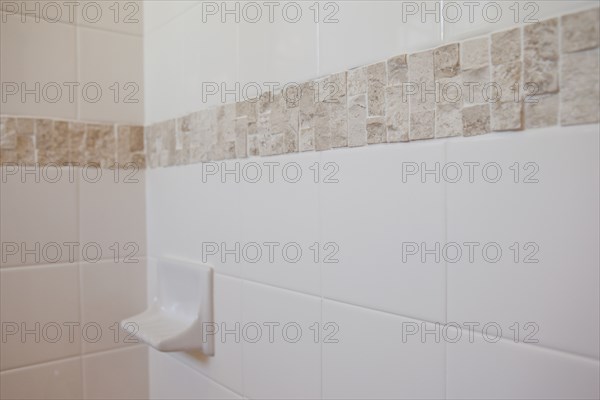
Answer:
(396, 115)
(541, 56)
(450, 90)
(77, 143)
(474, 83)
(241, 136)
(476, 120)
(202, 135)
(306, 139)
(422, 125)
(397, 68)
(377, 81)
(100, 145)
(507, 116)
(357, 81)
(226, 134)
(376, 130)
(448, 120)
(160, 144)
(248, 109)
(20, 148)
(541, 111)
(357, 121)
(8, 133)
(130, 146)
(307, 106)
(446, 60)
(508, 78)
(474, 53)
(579, 96)
(322, 127)
(506, 46)
(253, 145)
(52, 141)
(338, 110)
(580, 31)
(420, 73)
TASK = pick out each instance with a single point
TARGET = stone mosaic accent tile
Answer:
(357, 121)
(507, 73)
(448, 120)
(376, 130)
(422, 103)
(420, 73)
(397, 115)
(52, 141)
(446, 61)
(397, 69)
(130, 146)
(376, 83)
(541, 111)
(357, 81)
(506, 46)
(17, 141)
(507, 116)
(540, 51)
(160, 144)
(579, 92)
(581, 31)
(474, 53)
(476, 120)
(338, 109)
(422, 125)
(509, 80)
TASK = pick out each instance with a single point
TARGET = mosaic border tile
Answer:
(538, 75)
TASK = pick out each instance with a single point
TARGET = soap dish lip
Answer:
(169, 333)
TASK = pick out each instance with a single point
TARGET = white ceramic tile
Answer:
(225, 366)
(284, 363)
(59, 380)
(42, 304)
(38, 211)
(491, 16)
(117, 374)
(112, 62)
(164, 72)
(110, 292)
(112, 213)
(558, 215)
(47, 11)
(50, 60)
(284, 211)
(356, 39)
(171, 379)
(369, 214)
(281, 51)
(160, 12)
(186, 216)
(506, 370)
(211, 41)
(370, 360)
(117, 16)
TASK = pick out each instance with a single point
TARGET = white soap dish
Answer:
(180, 311)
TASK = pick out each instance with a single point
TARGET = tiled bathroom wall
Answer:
(361, 204)
(58, 308)
(356, 204)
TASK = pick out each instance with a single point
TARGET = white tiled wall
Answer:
(372, 295)
(86, 48)
(89, 293)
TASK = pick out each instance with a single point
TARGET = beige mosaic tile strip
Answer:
(34, 141)
(542, 74)
(508, 81)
